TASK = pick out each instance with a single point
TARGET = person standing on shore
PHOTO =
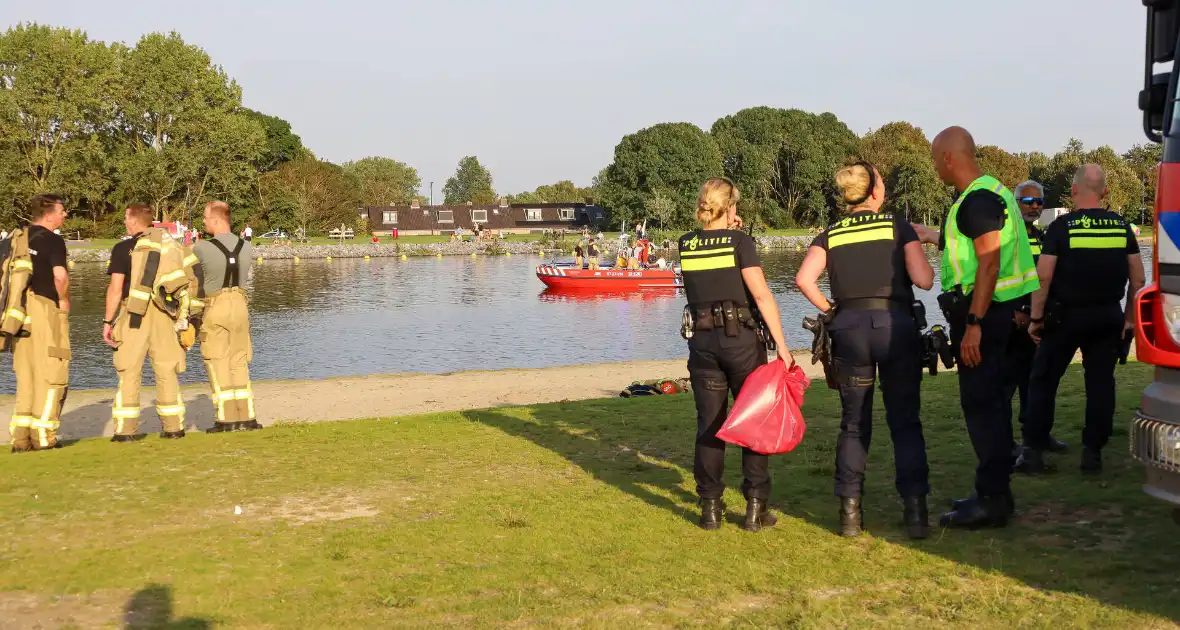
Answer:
(39, 308)
(873, 260)
(986, 269)
(723, 280)
(225, 326)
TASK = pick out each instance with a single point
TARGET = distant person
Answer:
(578, 254)
(40, 358)
(633, 256)
(592, 253)
(722, 274)
(1090, 256)
(248, 233)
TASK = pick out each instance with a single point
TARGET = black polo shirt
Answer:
(982, 211)
(1091, 247)
(866, 257)
(121, 261)
(711, 262)
(48, 250)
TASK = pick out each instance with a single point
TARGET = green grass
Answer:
(562, 515)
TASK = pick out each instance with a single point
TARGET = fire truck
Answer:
(1155, 429)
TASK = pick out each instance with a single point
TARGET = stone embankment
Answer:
(386, 249)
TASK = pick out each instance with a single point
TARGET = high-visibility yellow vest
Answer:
(1018, 273)
(15, 275)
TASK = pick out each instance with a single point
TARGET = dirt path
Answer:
(87, 412)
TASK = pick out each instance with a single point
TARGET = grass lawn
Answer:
(561, 515)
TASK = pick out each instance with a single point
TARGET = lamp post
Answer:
(431, 193)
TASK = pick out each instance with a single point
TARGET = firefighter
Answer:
(1088, 258)
(225, 325)
(987, 268)
(873, 259)
(35, 324)
(726, 342)
(1030, 196)
(146, 307)
(592, 254)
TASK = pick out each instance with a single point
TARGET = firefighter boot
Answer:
(712, 514)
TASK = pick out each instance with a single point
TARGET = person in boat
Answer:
(632, 256)
(730, 312)
(578, 255)
(592, 254)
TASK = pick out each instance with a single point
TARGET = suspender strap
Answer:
(231, 262)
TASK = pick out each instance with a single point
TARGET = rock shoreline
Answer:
(394, 250)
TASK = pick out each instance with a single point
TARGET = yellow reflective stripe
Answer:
(708, 252)
(191, 260)
(1036, 249)
(196, 303)
(21, 421)
(242, 394)
(47, 410)
(170, 410)
(51, 425)
(137, 293)
(125, 412)
(877, 233)
(179, 273)
(144, 243)
(705, 264)
(867, 225)
(22, 264)
(1084, 231)
(250, 403)
(1097, 242)
(16, 312)
(1009, 281)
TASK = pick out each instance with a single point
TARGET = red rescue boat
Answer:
(569, 278)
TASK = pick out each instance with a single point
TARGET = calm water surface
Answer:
(317, 319)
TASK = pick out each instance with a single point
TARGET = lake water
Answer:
(316, 319)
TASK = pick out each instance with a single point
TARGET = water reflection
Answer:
(315, 319)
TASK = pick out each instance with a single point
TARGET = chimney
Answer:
(414, 204)
(503, 202)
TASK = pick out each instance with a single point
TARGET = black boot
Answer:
(249, 425)
(221, 427)
(712, 513)
(1009, 502)
(916, 517)
(1057, 446)
(172, 435)
(1091, 461)
(978, 511)
(124, 438)
(1032, 462)
(851, 517)
(758, 516)
(22, 449)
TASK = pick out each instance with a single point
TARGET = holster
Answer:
(821, 344)
(950, 302)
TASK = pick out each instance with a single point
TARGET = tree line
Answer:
(159, 122)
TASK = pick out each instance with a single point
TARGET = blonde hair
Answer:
(854, 183)
(718, 195)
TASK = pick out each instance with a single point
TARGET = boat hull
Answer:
(607, 280)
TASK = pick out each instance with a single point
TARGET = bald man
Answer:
(987, 268)
(1087, 261)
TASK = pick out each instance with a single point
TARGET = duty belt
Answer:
(703, 318)
(876, 304)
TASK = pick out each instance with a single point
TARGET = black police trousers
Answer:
(1097, 331)
(865, 344)
(1019, 358)
(718, 365)
(981, 395)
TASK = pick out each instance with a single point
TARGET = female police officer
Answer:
(872, 257)
(722, 276)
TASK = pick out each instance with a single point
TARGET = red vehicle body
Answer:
(567, 278)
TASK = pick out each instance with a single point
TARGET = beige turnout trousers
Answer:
(41, 362)
(227, 351)
(155, 338)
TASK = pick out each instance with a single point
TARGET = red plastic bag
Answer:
(766, 416)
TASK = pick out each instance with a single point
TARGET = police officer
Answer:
(36, 321)
(1030, 196)
(986, 268)
(225, 325)
(138, 326)
(722, 276)
(873, 259)
(1088, 257)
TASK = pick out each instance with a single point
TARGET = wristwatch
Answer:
(972, 319)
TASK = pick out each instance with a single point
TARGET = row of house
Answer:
(517, 218)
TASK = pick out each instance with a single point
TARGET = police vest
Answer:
(16, 270)
(1035, 235)
(864, 260)
(160, 275)
(1018, 273)
(708, 262)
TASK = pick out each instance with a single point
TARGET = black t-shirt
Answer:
(121, 261)
(982, 211)
(1091, 247)
(48, 250)
(712, 263)
(866, 257)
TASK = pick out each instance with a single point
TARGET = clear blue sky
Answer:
(542, 90)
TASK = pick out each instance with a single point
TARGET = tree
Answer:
(471, 182)
(901, 153)
(1008, 168)
(563, 191)
(282, 145)
(670, 158)
(310, 194)
(1143, 160)
(57, 99)
(661, 208)
(384, 182)
(1121, 180)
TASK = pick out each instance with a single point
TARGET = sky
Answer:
(543, 90)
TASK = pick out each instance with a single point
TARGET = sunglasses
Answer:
(1030, 201)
